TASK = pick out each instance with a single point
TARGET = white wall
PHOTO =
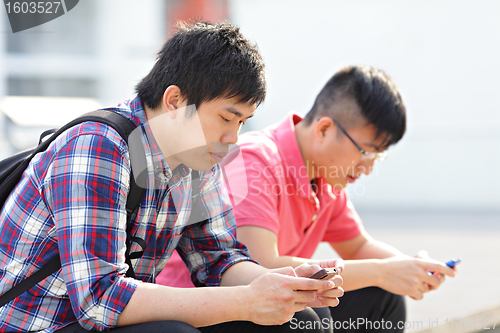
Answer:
(129, 37)
(444, 56)
(111, 43)
(120, 41)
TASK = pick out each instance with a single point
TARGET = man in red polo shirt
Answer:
(290, 196)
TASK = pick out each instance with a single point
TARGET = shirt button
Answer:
(312, 200)
(314, 217)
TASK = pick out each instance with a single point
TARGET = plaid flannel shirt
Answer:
(70, 203)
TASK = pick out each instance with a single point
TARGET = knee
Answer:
(183, 327)
(373, 304)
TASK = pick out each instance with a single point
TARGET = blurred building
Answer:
(98, 50)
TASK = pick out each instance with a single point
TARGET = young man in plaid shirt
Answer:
(70, 203)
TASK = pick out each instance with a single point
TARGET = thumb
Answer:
(439, 268)
(422, 254)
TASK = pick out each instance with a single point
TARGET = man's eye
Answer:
(226, 120)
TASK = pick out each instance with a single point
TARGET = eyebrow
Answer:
(236, 112)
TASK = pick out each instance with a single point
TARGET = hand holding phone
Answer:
(451, 263)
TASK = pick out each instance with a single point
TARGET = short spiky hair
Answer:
(373, 91)
(206, 61)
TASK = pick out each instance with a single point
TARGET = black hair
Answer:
(374, 93)
(206, 61)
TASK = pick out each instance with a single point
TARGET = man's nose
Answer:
(230, 137)
(365, 167)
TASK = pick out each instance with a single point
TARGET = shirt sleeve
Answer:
(86, 189)
(210, 248)
(346, 223)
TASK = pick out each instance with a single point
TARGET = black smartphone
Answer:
(324, 274)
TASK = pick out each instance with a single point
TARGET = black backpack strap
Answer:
(124, 127)
(30, 281)
(121, 124)
(195, 182)
(197, 214)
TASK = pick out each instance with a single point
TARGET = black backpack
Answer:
(12, 169)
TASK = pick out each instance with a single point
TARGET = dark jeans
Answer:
(168, 326)
(374, 309)
(171, 326)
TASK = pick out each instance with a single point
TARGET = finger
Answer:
(327, 263)
(328, 301)
(337, 280)
(306, 270)
(433, 281)
(339, 265)
(316, 262)
(441, 278)
(439, 268)
(422, 288)
(422, 254)
(332, 293)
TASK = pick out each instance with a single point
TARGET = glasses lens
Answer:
(370, 156)
(381, 156)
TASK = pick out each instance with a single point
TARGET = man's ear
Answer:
(173, 100)
(321, 126)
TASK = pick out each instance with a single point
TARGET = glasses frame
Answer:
(367, 156)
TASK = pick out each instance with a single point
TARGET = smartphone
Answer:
(324, 274)
(451, 263)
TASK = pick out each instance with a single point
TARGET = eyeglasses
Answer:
(367, 156)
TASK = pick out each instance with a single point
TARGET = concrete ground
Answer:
(474, 294)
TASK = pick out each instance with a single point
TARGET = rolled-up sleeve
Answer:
(210, 248)
(86, 189)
